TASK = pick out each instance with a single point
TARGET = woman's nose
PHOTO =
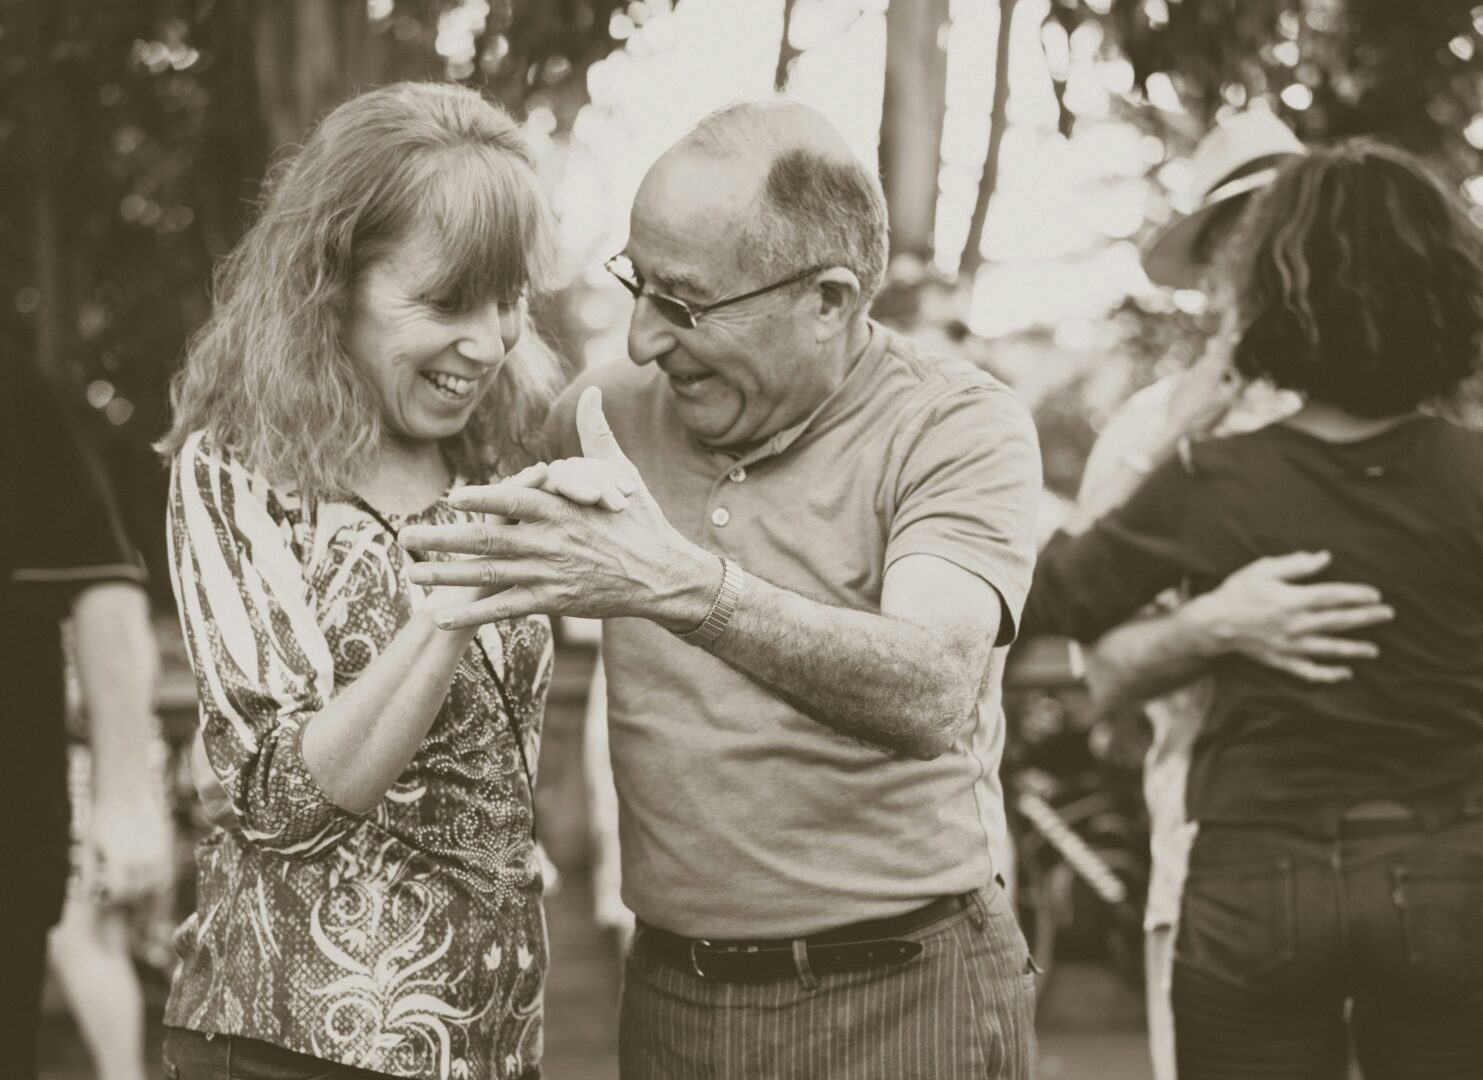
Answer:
(491, 332)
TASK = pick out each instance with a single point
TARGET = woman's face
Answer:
(427, 363)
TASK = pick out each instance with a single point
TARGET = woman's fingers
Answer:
(584, 481)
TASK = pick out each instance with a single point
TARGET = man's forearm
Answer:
(876, 678)
(1147, 657)
(117, 664)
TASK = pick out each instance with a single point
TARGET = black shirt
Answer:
(1402, 511)
(58, 535)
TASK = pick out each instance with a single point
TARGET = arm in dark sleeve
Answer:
(72, 537)
(1085, 585)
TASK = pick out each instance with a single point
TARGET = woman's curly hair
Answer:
(268, 375)
(1359, 281)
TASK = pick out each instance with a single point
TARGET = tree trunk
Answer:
(49, 270)
(786, 52)
(911, 121)
(998, 121)
(310, 56)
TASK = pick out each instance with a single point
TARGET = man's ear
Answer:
(838, 290)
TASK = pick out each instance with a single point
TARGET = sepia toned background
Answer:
(1027, 148)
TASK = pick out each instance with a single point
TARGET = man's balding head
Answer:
(813, 202)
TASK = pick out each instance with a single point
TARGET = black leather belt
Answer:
(848, 948)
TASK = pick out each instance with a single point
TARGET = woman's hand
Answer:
(582, 480)
(1208, 389)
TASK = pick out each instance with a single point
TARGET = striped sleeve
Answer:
(262, 665)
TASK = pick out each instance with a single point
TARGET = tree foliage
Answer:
(133, 137)
(1409, 72)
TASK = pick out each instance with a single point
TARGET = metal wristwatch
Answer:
(722, 609)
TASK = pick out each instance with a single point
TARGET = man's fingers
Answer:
(510, 604)
(597, 437)
(1298, 564)
(508, 500)
(1334, 594)
(1310, 671)
(480, 573)
(1335, 648)
(468, 539)
(1340, 620)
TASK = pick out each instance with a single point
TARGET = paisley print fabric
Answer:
(409, 940)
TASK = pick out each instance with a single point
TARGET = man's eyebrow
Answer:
(681, 281)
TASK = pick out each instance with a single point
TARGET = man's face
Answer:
(747, 371)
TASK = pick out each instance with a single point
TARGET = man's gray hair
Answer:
(820, 206)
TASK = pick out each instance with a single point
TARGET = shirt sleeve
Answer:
(1085, 585)
(968, 491)
(1141, 417)
(263, 667)
(73, 537)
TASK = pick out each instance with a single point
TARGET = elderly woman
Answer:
(1336, 882)
(377, 909)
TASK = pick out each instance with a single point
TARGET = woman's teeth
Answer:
(450, 386)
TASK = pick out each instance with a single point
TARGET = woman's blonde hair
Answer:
(268, 376)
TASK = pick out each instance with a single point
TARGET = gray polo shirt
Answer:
(738, 816)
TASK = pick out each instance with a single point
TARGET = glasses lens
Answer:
(673, 310)
(622, 269)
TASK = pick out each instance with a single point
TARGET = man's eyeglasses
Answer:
(677, 311)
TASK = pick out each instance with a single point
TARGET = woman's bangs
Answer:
(493, 227)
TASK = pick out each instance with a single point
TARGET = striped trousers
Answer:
(964, 1007)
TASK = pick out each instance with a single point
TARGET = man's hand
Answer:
(1260, 613)
(561, 558)
(131, 842)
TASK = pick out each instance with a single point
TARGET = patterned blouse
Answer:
(409, 940)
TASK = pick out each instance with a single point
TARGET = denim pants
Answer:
(964, 1007)
(1290, 948)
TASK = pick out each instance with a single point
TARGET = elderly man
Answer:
(808, 595)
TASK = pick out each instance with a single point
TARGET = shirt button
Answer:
(737, 475)
(720, 516)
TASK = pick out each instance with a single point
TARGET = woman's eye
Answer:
(442, 305)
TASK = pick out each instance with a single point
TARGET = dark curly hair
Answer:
(1359, 281)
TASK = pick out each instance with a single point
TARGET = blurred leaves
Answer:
(1410, 72)
(133, 136)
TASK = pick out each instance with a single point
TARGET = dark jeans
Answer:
(1290, 947)
(190, 1055)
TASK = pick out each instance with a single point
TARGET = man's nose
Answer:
(650, 335)
(490, 332)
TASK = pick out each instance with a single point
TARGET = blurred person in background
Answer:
(1331, 886)
(1262, 610)
(376, 907)
(807, 602)
(62, 553)
(95, 946)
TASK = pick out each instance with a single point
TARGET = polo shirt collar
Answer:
(856, 384)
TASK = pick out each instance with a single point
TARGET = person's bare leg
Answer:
(89, 952)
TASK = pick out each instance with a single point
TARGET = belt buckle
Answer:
(694, 961)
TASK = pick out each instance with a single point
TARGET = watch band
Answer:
(722, 608)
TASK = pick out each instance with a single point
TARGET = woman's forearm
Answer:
(358, 744)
